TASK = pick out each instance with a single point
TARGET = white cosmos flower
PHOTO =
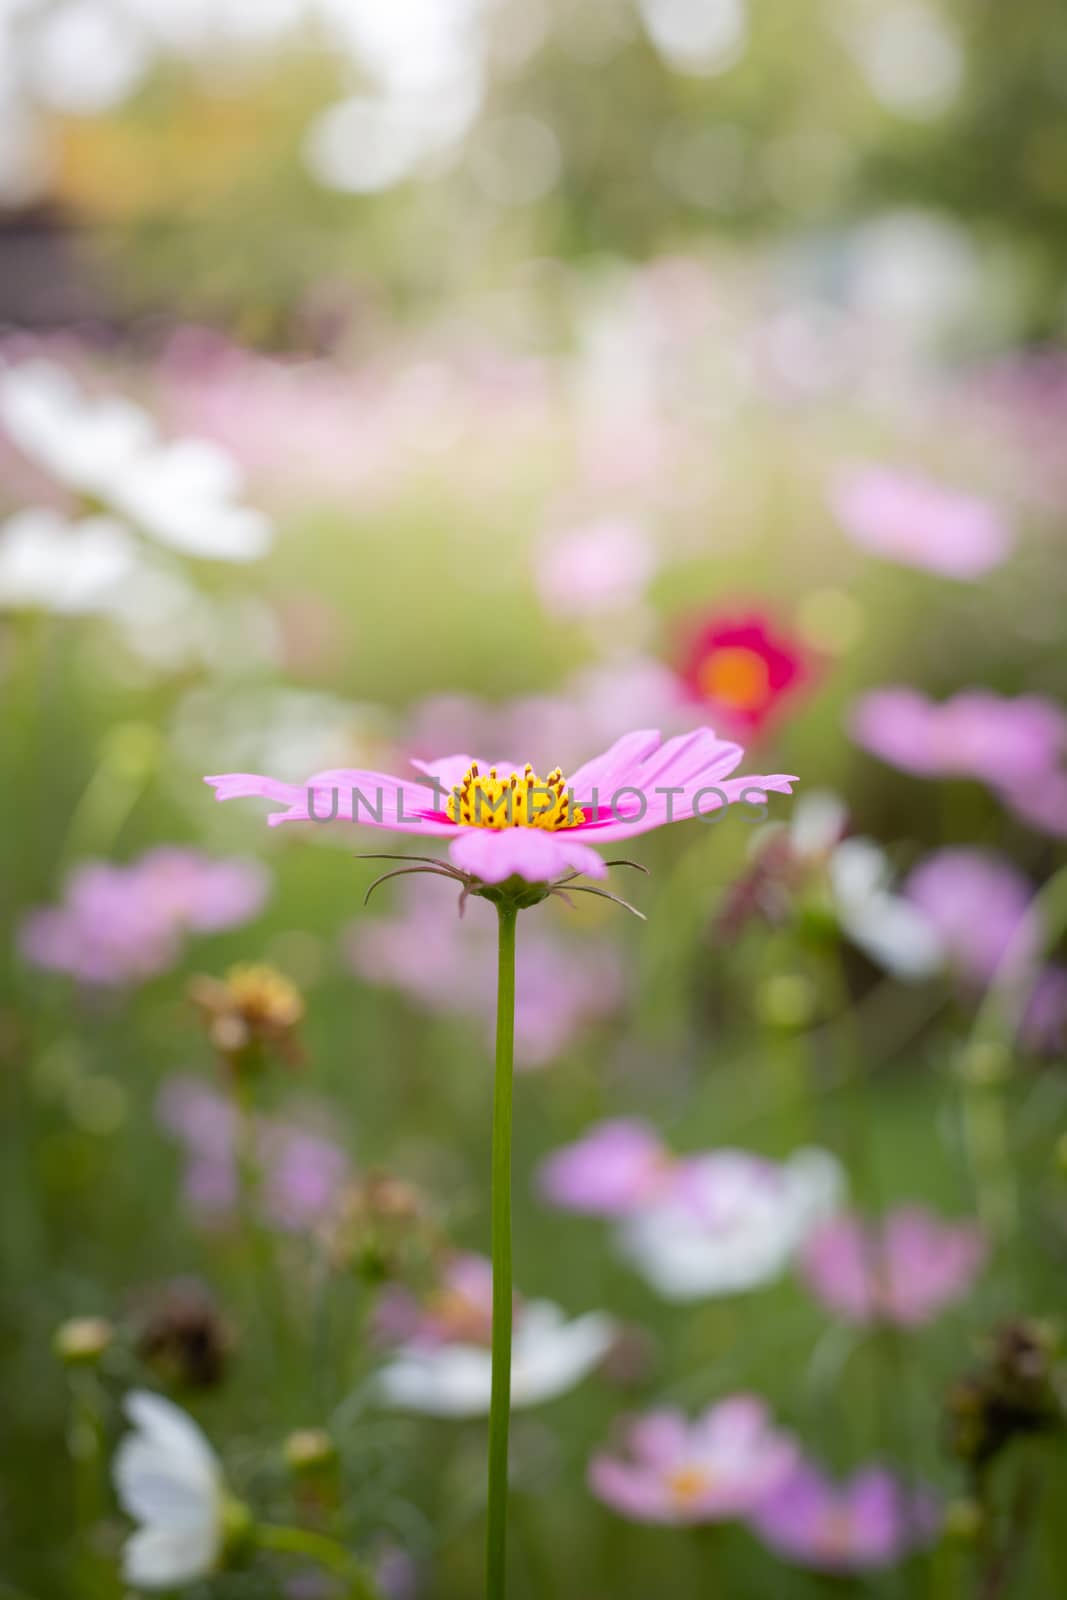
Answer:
(183, 494)
(549, 1355)
(888, 928)
(50, 564)
(168, 1479)
(84, 443)
(731, 1222)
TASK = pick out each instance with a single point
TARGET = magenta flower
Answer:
(723, 1465)
(303, 1171)
(905, 1270)
(977, 904)
(911, 519)
(616, 1168)
(1014, 746)
(868, 1522)
(506, 823)
(121, 925)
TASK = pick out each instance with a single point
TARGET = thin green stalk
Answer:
(500, 1402)
(324, 1552)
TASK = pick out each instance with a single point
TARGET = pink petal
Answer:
(345, 795)
(535, 854)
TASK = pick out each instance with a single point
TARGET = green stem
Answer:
(324, 1551)
(500, 1402)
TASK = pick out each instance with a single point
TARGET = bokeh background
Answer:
(554, 370)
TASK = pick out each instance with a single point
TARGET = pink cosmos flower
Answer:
(121, 925)
(1014, 746)
(617, 1167)
(503, 822)
(905, 1270)
(911, 519)
(602, 567)
(868, 1522)
(303, 1171)
(723, 1465)
(446, 967)
(978, 905)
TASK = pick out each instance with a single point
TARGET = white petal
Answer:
(550, 1356)
(156, 1485)
(452, 1381)
(173, 1430)
(164, 1558)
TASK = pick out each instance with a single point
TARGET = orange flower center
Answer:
(736, 677)
(688, 1484)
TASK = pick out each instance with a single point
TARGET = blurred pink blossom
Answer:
(600, 567)
(1016, 746)
(720, 1466)
(445, 965)
(617, 1167)
(303, 1171)
(867, 1522)
(911, 519)
(123, 924)
(977, 904)
(905, 1270)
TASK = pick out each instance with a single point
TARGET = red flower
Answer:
(737, 666)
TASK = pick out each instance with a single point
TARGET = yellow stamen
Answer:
(514, 801)
(688, 1484)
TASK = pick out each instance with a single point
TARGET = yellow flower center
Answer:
(264, 996)
(735, 677)
(688, 1484)
(490, 801)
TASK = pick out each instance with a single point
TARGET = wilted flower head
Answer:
(120, 925)
(504, 823)
(911, 519)
(303, 1170)
(252, 1012)
(722, 1465)
(868, 1522)
(743, 668)
(382, 1229)
(183, 1336)
(905, 1270)
(443, 1363)
(1017, 1391)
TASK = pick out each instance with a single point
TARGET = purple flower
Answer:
(617, 1167)
(720, 1466)
(869, 1521)
(303, 1171)
(1003, 742)
(913, 520)
(978, 905)
(905, 1270)
(121, 925)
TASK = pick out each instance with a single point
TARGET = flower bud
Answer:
(83, 1341)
